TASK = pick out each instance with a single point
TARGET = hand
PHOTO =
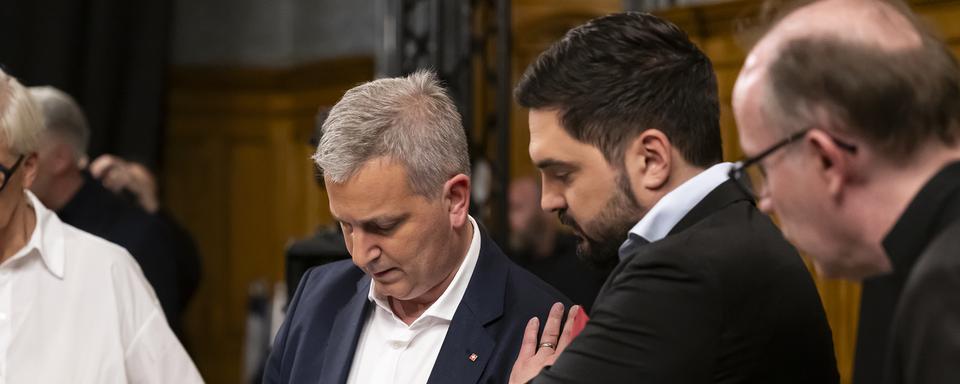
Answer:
(534, 356)
(117, 174)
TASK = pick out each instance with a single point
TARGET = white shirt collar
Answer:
(445, 306)
(46, 239)
(667, 212)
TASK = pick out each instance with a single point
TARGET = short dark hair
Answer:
(619, 75)
(896, 100)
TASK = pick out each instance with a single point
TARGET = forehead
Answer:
(875, 23)
(749, 95)
(378, 188)
(549, 141)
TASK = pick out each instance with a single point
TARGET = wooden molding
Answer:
(313, 75)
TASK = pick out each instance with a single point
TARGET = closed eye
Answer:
(559, 171)
(384, 227)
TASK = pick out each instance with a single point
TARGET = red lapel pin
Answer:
(473, 357)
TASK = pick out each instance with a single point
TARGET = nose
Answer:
(551, 200)
(363, 249)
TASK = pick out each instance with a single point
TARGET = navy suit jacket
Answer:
(317, 341)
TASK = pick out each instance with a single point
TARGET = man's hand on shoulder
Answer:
(535, 356)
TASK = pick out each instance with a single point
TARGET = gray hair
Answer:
(894, 100)
(20, 120)
(63, 118)
(409, 119)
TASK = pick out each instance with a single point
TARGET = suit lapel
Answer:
(338, 355)
(468, 345)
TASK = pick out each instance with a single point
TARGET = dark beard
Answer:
(599, 244)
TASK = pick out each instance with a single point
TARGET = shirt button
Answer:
(396, 344)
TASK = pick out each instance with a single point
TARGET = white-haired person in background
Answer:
(74, 308)
(65, 184)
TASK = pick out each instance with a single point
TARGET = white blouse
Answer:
(75, 308)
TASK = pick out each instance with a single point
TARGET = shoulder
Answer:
(936, 274)
(942, 251)
(335, 273)
(534, 287)
(331, 284)
(737, 236)
(735, 252)
(526, 289)
(928, 312)
(97, 264)
(495, 268)
(96, 251)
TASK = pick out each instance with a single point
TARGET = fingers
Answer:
(532, 357)
(115, 179)
(567, 335)
(551, 331)
(141, 177)
(529, 345)
(102, 164)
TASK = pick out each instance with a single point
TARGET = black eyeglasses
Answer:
(6, 173)
(750, 175)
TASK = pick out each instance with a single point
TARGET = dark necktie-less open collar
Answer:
(631, 245)
(934, 208)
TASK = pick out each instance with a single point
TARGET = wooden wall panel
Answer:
(237, 173)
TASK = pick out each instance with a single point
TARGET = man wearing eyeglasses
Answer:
(74, 308)
(624, 129)
(850, 112)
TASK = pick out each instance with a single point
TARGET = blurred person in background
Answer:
(538, 244)
(74, 308)
(136, 183)
(65, 186)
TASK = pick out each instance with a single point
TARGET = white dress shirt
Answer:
(667, 212)
(75, 308)
(390, 351)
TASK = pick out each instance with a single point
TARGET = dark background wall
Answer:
(111, 55)
(272, 33)
(114, 56)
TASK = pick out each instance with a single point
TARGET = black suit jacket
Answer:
(918, 332)
(722, 299)
(318, 339)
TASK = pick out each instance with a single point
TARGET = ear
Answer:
(61, 158)
(29, 169)
(833, 163)
(456, 197)
(648, 157)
